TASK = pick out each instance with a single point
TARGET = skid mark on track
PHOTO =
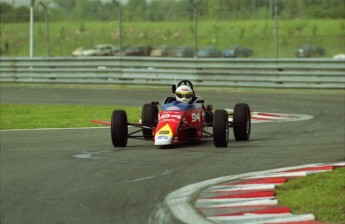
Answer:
(90, 155)
(100, 156)
(166, 172)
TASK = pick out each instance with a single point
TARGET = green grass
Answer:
(321, 194)
(257, 34)
(58, 116)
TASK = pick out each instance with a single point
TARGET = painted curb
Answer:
(244, 198)
(229, 202)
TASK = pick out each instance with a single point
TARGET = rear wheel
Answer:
(220, 128)
(119, 128)
(149, 118)
(241, 122)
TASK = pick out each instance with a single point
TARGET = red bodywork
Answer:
(179, 123)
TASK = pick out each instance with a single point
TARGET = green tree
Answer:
(6, 12)
(158, 10)
(135, 10)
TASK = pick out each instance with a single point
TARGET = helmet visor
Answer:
(182, 95)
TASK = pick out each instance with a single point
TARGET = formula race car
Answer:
(179, 122)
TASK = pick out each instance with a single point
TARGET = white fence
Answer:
(256, 73)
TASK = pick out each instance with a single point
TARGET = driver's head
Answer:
(184, 94)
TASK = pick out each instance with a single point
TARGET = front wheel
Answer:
(241, 122)
(149, 118)
(119, 128)
(220, 128)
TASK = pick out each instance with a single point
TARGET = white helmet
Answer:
(184, 94)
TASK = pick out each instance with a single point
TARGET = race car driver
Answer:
(185, 94)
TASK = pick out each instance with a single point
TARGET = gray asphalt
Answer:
(76, 176)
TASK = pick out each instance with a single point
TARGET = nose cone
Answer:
(164, 136)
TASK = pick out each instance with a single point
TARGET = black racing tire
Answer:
(241, 122)
(119, 128)
(220, 128)
(149, 118)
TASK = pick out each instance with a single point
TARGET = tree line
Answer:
(159, 10)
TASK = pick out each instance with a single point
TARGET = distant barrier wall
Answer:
(220, 72)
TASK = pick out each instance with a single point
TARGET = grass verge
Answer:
(321, 194)
(66, 36)
(58, 116)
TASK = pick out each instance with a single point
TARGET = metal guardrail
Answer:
(220, 72)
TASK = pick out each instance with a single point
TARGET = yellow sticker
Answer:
(165, 131)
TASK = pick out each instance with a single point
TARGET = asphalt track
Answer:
(76, 176)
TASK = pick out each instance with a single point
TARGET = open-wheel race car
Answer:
(182, 122)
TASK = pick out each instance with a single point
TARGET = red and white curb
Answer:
(246, 198)
(264, 117)
(252, 199)
(261, 117)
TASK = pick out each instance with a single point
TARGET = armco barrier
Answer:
(220, 72)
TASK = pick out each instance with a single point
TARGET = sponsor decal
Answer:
(170, 116)
(173, 108)
(165, 131)
(164, 135)
(170, 120)
(165, 116)
(176, 115)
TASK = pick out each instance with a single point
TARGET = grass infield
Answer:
(26, 116)
(321, 194)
